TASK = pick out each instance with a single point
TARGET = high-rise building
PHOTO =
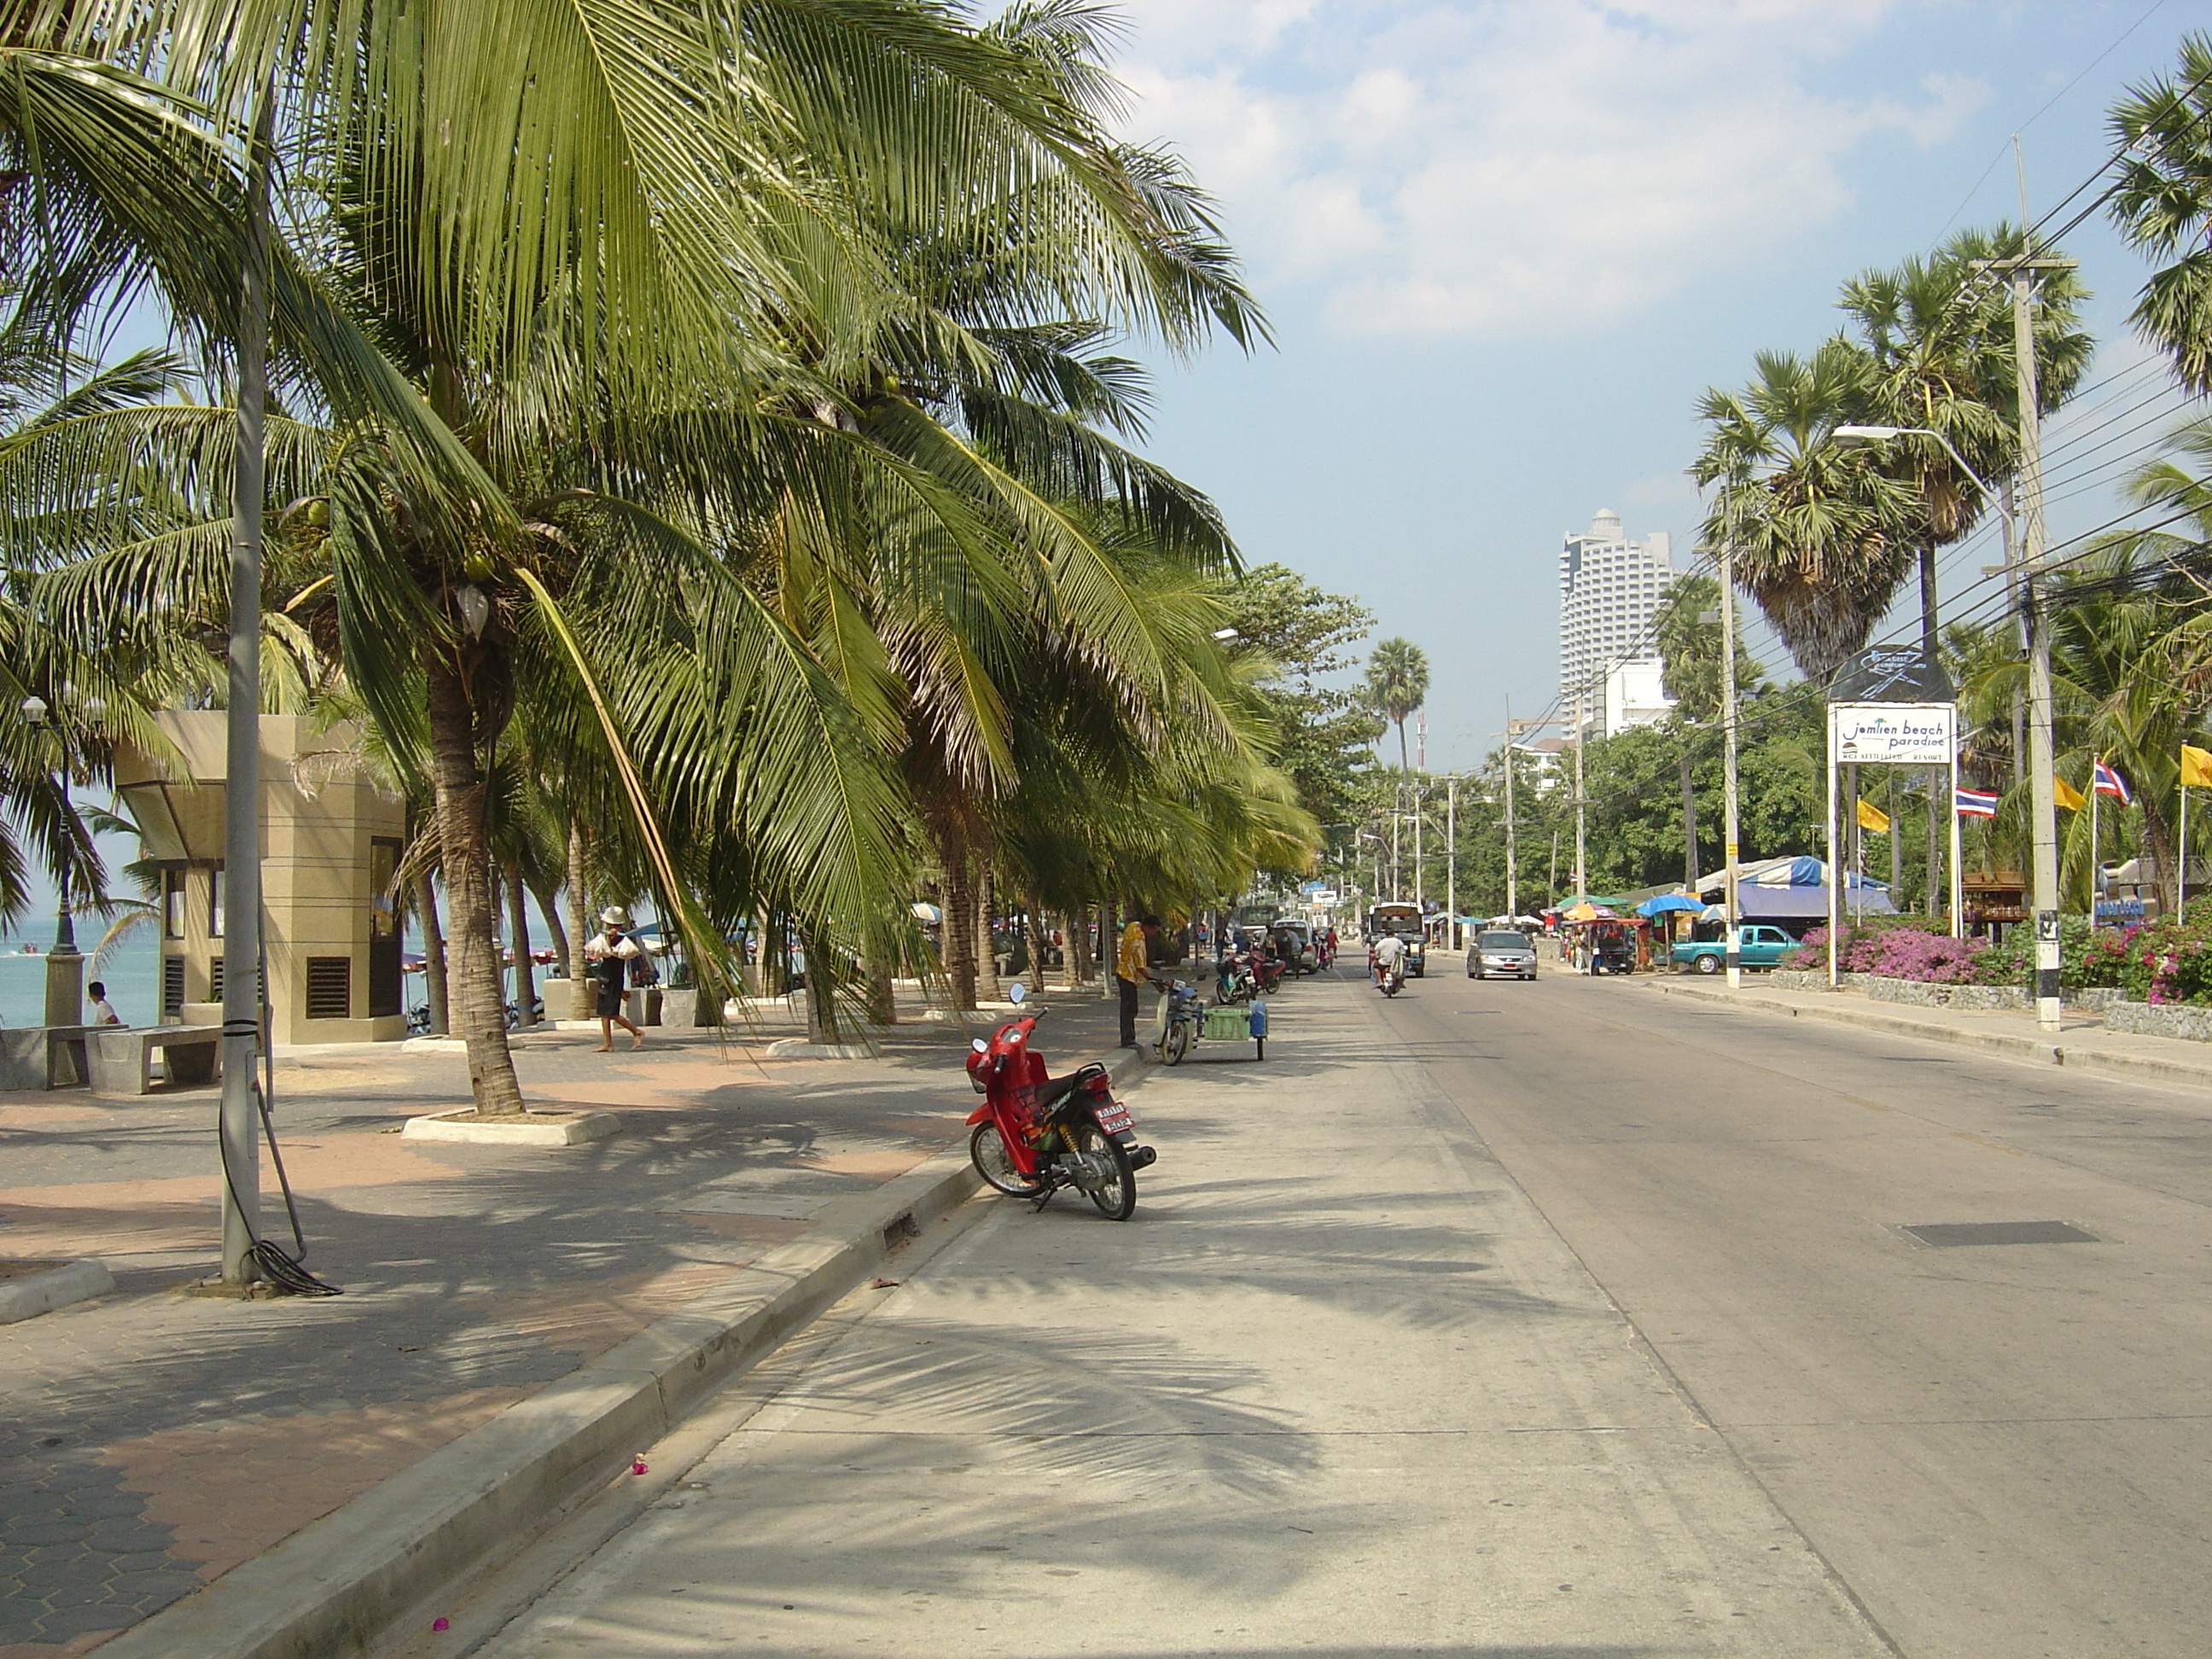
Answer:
(1609, 586)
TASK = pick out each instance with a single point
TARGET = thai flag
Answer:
(2110, 783)
(1976, 804)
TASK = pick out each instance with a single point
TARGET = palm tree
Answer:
(2161, 201)
(1398, 684)
(1821, 535)
(1938, 336)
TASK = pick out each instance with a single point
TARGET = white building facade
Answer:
(1609, 588)
(1635, 695)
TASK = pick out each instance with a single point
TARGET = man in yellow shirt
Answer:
(1131, 969)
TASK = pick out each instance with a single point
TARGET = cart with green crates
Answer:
(1238, 1023)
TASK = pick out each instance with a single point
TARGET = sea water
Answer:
(131, 971)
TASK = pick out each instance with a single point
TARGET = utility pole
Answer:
(1728, 850)
(1451, 857)
(1512, 904)
(1397, 828)
(1581, 828)
(1420, 887)
(237, 1133)
(2043, 823)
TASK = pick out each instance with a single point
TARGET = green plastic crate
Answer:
(1227, 1024)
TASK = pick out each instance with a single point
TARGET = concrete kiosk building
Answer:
(1609, 588)
(331, 843)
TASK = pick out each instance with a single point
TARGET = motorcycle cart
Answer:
(1236, 1023)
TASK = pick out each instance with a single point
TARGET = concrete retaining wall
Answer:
(1919, 994)
(2192, 1024)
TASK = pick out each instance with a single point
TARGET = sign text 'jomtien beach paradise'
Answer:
(1892, 733)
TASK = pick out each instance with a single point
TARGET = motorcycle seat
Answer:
(1053, 1090)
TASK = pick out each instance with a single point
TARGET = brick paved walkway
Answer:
(151, 1441)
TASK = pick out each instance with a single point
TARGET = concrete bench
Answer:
(43, 1057)
(122, 1056)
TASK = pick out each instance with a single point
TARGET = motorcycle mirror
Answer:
(980, 1046)
(1017, 991)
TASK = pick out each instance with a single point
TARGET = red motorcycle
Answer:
(1034, 1134)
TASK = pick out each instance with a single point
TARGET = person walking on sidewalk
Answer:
(1131, 969)
(610, 957)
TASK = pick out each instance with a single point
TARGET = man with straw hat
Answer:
(610, 957)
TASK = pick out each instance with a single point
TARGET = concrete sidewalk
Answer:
(2083, 1042)
(151, 1442)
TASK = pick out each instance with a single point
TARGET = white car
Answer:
(1501, 953)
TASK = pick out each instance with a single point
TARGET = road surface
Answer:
(1558, 1319)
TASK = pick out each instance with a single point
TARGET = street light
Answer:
(1863, 437)
(64, 967)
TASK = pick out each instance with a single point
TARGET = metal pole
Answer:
(1728, 766)
(241, 814)
(1958, 844)
(1397, 826)
(1420, 879)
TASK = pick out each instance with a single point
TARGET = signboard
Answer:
(1892, 733)
(1321, 898)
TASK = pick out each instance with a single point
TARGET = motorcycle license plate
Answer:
(1114, 1117)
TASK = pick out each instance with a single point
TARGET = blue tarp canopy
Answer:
(1667, 902)
(1805, 870)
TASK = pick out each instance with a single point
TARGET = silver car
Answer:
(1499, 952)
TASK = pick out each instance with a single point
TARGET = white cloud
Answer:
(1493, 166)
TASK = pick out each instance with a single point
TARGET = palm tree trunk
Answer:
(821, 1000)
(957, 924)
(434, 953)
(1403, 764)
(550, 908)
(526, 976)
(458, 789)
(987, 988)
(882, 996)
(581, 1001)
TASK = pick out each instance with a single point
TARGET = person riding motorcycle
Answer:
(1386, 957)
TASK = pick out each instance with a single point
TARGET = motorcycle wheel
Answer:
(987, 1150)
(1177, 1044)
(1117, 1199)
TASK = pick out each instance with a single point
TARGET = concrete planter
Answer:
(683, 1010)
(31, 1294)
(2140, 1018)
(532, 1129)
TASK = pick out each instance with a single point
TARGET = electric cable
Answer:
(287, 1271)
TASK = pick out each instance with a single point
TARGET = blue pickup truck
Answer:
(1763, 946)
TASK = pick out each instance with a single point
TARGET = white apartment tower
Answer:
(1609, 586)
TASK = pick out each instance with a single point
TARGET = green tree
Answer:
(1298, 635)
(2161, 201)
(1819, 533)
(1397, 686)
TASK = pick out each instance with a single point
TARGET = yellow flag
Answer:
(2067, 795)
(1873, 817)
(2195, 767)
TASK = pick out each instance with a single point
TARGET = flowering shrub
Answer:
(2170, 961)
(1901, 950)
(2085, 956)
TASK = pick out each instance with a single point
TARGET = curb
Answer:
(2039, 1051)
(36, 1293)
(340, 1583)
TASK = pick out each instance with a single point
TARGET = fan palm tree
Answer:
(1398, 684)
(2162, 202)
(1821, 536)
(1938, 336)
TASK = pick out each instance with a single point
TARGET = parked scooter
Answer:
(1233, 980)
(1034, 1134)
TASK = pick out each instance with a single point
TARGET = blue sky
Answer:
(1505, 245)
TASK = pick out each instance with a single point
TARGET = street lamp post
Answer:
(64, 965)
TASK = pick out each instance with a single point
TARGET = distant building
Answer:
(1609, 588)
(1635, 695)
(1544, 754)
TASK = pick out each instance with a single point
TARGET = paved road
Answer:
(1552, 1319)
(1340, 1389)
